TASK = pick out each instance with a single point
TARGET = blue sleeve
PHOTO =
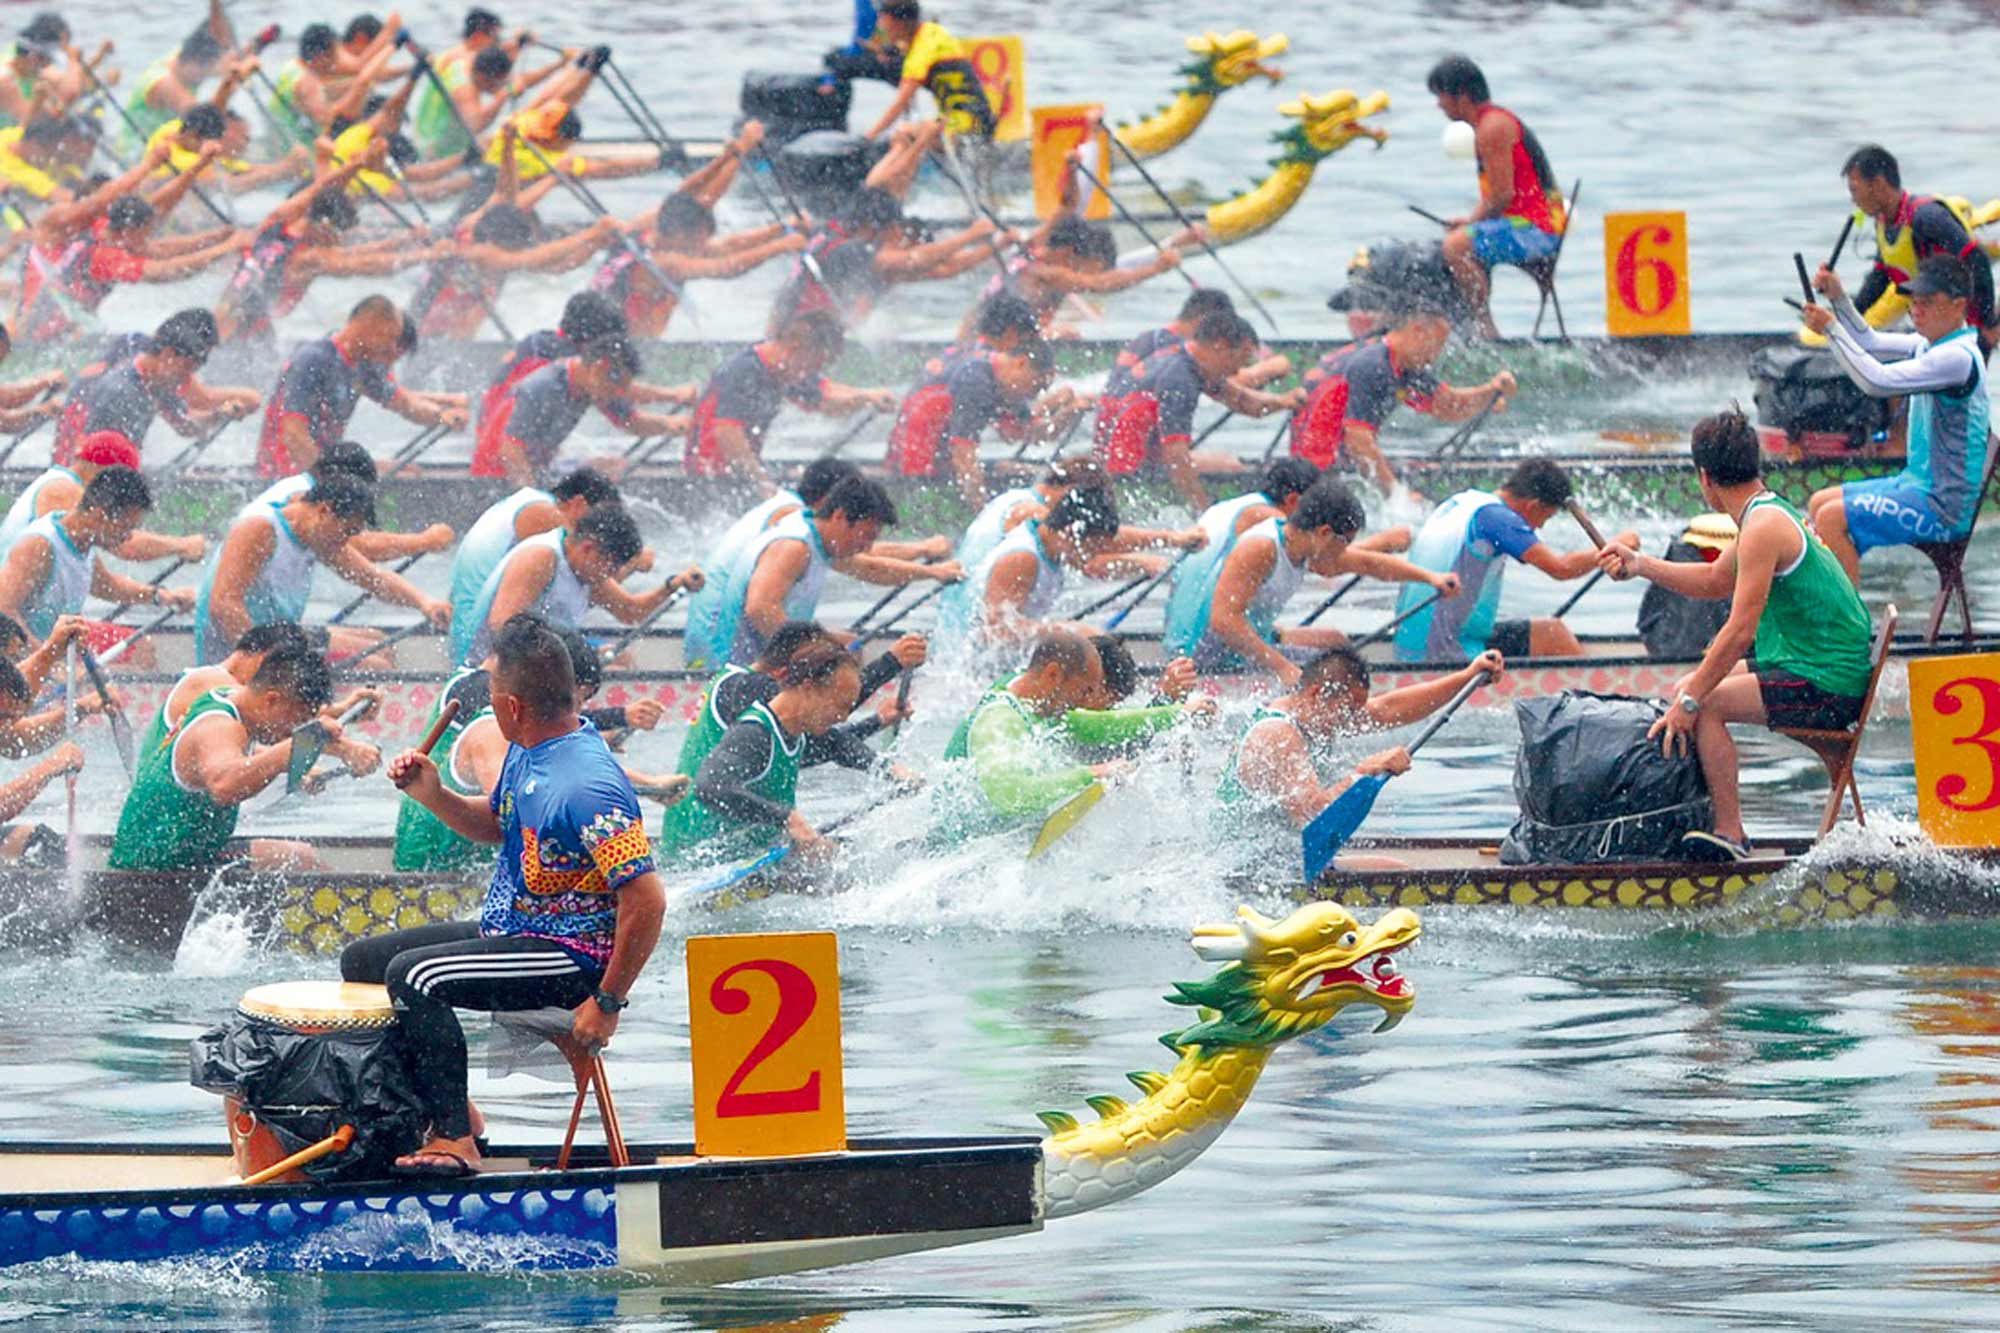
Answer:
(1507, 530)
(377, 383)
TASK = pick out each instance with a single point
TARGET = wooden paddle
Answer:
(1065, 818)
(1331, 828)
(446, 716)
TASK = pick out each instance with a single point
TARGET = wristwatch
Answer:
(608, 1002)
(1689, 705)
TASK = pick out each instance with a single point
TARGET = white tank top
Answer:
(279, 493)
(479, 553)
(801, 603)
(68, 581)
(1285, 578)
(562, 601)
(22, 512)
(1041, 600)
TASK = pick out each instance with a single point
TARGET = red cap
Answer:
(108, 448)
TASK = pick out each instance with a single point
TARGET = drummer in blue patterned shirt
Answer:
(573, 910)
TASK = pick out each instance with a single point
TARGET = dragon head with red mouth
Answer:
(1283, 979)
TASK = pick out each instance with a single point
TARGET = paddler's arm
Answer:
(115, 587)
(1393, 569)
(1914, 367)
(1111, 727)
(737, 760)
(782, 565)
(733, 442)
(170, 194)
(844, 400)
(59, 221)
(25, 570)
(19, 793)
(429, 409)
(1017, 772)
(526, 576)
(1361, 444)
(906, 92)
(1243, 573)
(1176, 454)
(871, 568)
(212, 758)
(1861, 348)
(144, 546)
(417, 774)
(204, 397)
(1566, 565)
(1413, 703)
(387, 584)
(734, 260)
(1759, 551)
(1068, 280)
(629, 607)
(1705, 581)
(1458, 402)
(1274, 763)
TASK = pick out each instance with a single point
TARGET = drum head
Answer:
(319, 1005)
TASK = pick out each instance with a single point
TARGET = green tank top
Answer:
(722, 838)
(423, 841)
(164, 826)
(1231, 791)
(438, 131)
(1814, 624)
(156, 730)
(702, 737)
(145, 116)
(284, 105)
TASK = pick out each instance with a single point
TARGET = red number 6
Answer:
(1665, 285)
(1951, 788)
(797, 998)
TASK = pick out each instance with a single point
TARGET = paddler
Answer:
(148, 376)
(40, 665)
(1016, 741)
(28, 78)
(51, 567)
(935, 61)
(779, 573)
(239, 668)
(561, 573)
(479, 77)
(1200, 303)
(169, 86)
(262, 570)
(1473, 535)
(530, 422)
(1353, 389)
(61, 489)
(1942, 371)
(230, 745)
(213, 122)
(1792, 610)
(1521, 210)
(570, 918)
(1237, 624)
(549, 128)
(586, 316)
(326, 379)
(1271, 775)
(1909, 229)
(1151, 427)
(24, 403)
(742, 398)
(506, 523)
(1009, 509)
(345, 457)
(939, 425)
(1071, 256)
(30, 844)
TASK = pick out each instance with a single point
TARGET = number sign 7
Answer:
(764, 1031)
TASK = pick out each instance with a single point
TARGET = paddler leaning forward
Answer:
(1792, 609)
(571, 915)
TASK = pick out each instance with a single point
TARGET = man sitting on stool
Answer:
(573, 910)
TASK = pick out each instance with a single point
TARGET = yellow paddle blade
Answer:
(1065, 818)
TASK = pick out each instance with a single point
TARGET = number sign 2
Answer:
(1955, 728)
(764, 1028)
(1646, 274)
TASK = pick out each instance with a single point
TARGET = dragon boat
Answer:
(689, 1218)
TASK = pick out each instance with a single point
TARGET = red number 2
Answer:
(1665, 285)
(797, 998)
(1951, 787)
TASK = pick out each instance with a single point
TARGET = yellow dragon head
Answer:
(1329, 122)
(1233, 60)
(1283, 979)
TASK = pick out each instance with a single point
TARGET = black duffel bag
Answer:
(1673, 625)
(792, 104)
(826, 167)
(305, 1086)
(1594, 789)
(1803, 390)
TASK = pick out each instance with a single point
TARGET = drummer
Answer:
(573, 911)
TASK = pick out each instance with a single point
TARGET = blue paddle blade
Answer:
(1332, 827)
(733, 875)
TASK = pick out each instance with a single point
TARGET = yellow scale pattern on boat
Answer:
(323, 918)
(1835, 895)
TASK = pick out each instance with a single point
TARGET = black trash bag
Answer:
(1390, 276)
(1673, 625)
(1802, 390)
(826, 168)
(790, 105)
(1594, 790)
(306, 1086)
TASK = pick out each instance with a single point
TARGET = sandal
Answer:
(442, 1164)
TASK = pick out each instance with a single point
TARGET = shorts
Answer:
(1794, 703)
(1498, 241)
(1888, 511)
(1512, 638)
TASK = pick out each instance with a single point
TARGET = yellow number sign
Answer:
(1955, 727)
(1057, 130)
(1646, 274)
(1002, 68)
(764, 1028)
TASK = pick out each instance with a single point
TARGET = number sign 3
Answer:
(1955, 728)
(764, 1027)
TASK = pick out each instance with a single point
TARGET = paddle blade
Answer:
(128, 748)
(308, 743)
(734, 875)
(1332, 827)
(1065, 818)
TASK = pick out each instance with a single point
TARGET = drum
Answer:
(309, 1008)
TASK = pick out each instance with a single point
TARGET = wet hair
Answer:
(586, 484)
(818, 329)
(1342, 667)
(204, 121)
(277, 636)
(786, 640)
(1287, 477)
(821, 476)
(903, 11)
(13, 638)
(859, 499)
(376, 306)
(534, 667)
(346, 458)
(317, 40)
(1005, 313)
(1205, 301)
(1086, 511)
(201, 48)
(589, 315)
(1085, 240)
(1541, 479)
(345, 497)
(1040, 356)
(116, 490)
(584, 663)
(1121, 673)
(406, 337)
(506, 225)
(47, 131)
(614, 350)
(1060, 647)
(1457, 76)
(817, 662)
(1076, 470)
(1726, 447)
(1329, 505)
(128, 212)
(47, 27)
(333, 207)
(570, 126)
(300, 673)
(871, 207)
(13, 685)
(1873, 162)
(1225, 327)
(612, 529)
(683, 213)
(190, 332)
(363, 27)
(492, 62)
(478, 20)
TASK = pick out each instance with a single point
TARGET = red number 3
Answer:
(797, 998)
(1951, 787)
